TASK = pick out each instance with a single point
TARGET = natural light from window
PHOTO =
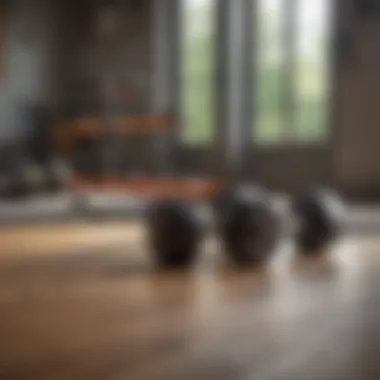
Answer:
(310, 63)
(199, 48)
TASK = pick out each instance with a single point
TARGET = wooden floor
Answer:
(82, 302)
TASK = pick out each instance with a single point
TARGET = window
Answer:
(312, 70)
(269, 59)
(292, 63)
(198, 70)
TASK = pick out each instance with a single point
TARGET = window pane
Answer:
(199, 70)
(306, 91)
(312, 70)
(268, 61)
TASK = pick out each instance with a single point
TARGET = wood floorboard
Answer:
(84, 302)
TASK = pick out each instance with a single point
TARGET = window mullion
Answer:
(288, 98)
(231, 85)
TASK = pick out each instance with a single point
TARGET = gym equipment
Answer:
(248, 225)
(246, 219)
(24, 182)
(29, 165)
(174, 234)
(320, 216)
(57, 174)
(29, 178)
(71, 133)
(22, 177)
(246, 222)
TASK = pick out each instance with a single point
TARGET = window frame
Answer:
(290, 141)
(193, 157)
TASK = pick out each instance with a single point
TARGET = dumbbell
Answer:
(319, 217)
(248, 224)
(174, 234)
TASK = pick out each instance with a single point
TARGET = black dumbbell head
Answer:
(174, 233)
(320, 214)
(249, 226)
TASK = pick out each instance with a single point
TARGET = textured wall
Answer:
(357, 142)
